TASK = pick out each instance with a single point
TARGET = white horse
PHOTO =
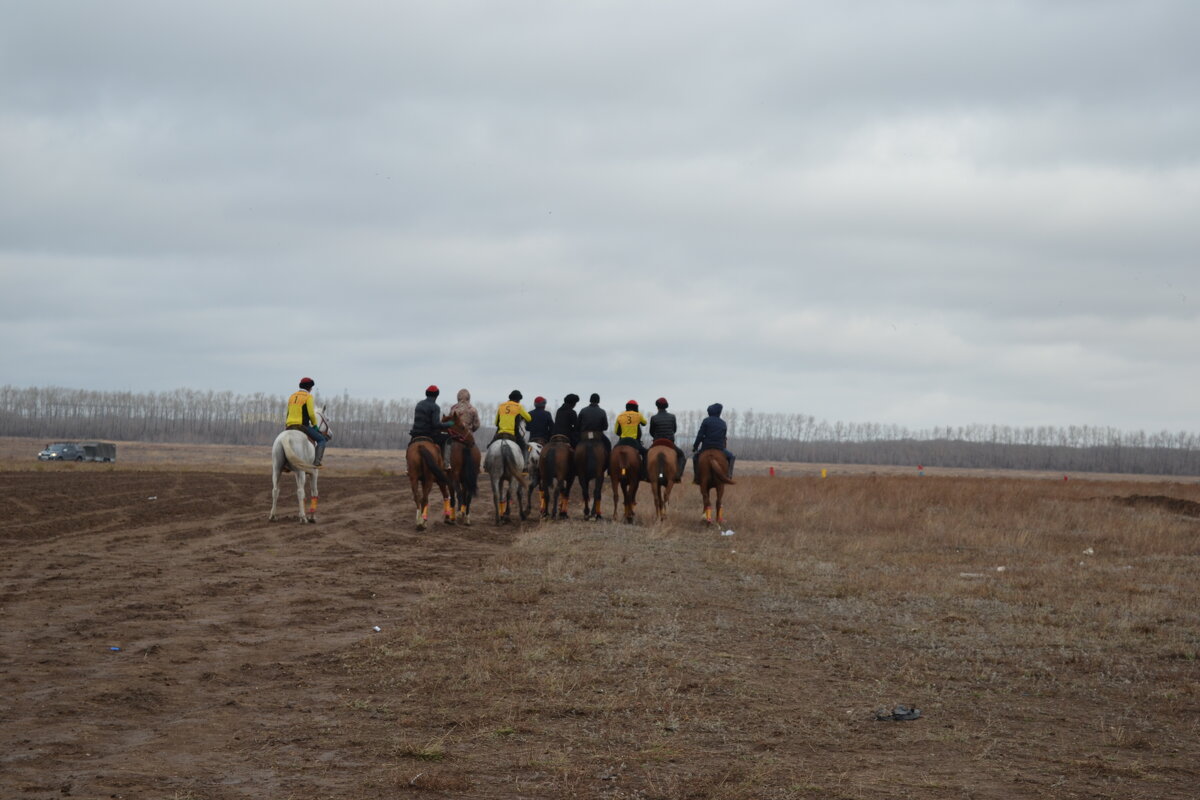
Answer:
(503, 462)
(294, 451)
(533, 468)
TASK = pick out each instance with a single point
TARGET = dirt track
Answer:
(213, 609)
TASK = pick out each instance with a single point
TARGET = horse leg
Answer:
(312, 500)
(447, 504)
(301, 476)
(631, 500)
(275, 471)
(525, 500)
(720, 497)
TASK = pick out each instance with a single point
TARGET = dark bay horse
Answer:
(591, 464)
(558, 473)
(424, 460)
(625, 470)
(712, 472)
(662, 464)
(464, 471)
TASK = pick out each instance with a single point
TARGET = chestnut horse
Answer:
(625, 470)
(662, 462)
(424, 459)
(464, 470)
(557, 476)
(591, 462)
(712, 472)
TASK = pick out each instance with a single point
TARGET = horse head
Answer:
(323, 422)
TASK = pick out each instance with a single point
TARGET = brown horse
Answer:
(424, 459)
(557, 465)
(464, 470)
(625, 470)
(712, 472)
(662, 462)
(591, 462)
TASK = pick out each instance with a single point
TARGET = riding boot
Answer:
(319, 454)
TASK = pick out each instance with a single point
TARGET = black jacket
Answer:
(427, 419)
(566, 423)
(593, 418)
(662, 426)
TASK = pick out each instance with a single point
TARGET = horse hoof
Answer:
(312, 520)
(272, 518)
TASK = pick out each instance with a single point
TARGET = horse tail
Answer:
(432, 465)
(509, 462)
(590, 461)
(660, 470)
(470, 475)
(717, 474)
(294, 459)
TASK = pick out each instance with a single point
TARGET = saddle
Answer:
(588, 436)
(416, 439)
(303, 430)
(558, 437)
(662, 443)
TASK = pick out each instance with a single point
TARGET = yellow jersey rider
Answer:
(507, 420)
(629, 430)
(302, 416)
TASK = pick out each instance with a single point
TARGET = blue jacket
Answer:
(540, 425)
(712, 433)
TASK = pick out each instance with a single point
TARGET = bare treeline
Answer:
(188, 415)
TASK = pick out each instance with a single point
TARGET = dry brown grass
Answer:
(1048, 630)
(670, 662)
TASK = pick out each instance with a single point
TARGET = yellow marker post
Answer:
(824, 473)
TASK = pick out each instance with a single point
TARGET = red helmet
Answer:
(661, 402)
(539, 401)
(307, 383)
(433, 390)
(631, 405)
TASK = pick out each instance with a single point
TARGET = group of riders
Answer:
(514, 422)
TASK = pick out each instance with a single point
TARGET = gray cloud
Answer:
(921, 213)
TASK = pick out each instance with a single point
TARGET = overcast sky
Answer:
(922, 213)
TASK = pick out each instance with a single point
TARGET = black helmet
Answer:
(514, 395)
(307, 383)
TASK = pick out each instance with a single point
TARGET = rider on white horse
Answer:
(302, 416)
(508, 415)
